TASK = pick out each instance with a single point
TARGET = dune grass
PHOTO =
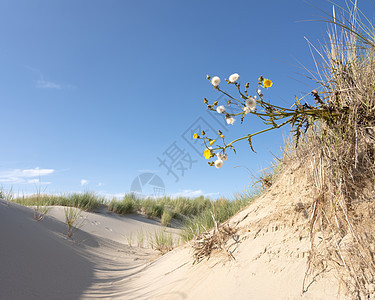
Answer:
(195, 214)
(221, 209)
(129, 204)
(87, 201)
(164, 208)
(161, 241)
(71, 219)
(6, 194)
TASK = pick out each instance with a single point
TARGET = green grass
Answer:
(161, 241)
(221, 209)
(87, 201)
(127, 205)
(194, 213)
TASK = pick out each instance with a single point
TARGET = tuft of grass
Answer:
(6, 195)
(152, 208)
(127, 205)
(222, 209)
(71, 216)
(129, 238)
(40, 212)
(166, 217)
(140, 238)
(205, 243)
(161, 241)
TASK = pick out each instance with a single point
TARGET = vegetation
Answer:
(87, 201)
(221, 209)
(194, 213)
(6, 195)
(161, 241)
(335, 136)
(71, 217)
(127, 205)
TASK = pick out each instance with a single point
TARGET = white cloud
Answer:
(188, 193)
(36, 172)
(100, 184)
(84, 182)
(38, 181)
(43, 84)
(193, 194)
(24, 176)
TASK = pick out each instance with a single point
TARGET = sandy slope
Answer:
(38, 261)
(270, 259)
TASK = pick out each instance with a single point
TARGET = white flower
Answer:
(221, 156)
(246, 110)
(230, 120)
(218, 163)
(234, 77)
(215, 81)
(259, 92)
(251, 103)
(220, 109)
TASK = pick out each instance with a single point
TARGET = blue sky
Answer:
(95, 93)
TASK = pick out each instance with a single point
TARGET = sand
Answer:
(38, 261)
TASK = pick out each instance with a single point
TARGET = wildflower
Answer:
(267, 83)
(259, 92)
(234, 77)
(229, 120)
(251, 103)
(215, 81)
(207, 153)
(218, 163)
(195, 136)
(211, 142)
(246, 110)
(223, 156)
(220, 109)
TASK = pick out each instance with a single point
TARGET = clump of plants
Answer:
(335, 135)
(204, 244)
(161, 241)
(72, 215)
(87, 201)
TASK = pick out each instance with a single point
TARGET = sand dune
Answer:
(38, 261)
(270, 257)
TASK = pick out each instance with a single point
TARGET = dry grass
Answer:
(341, 155)
(213, 240)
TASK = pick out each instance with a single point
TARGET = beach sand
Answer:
(269, 255)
